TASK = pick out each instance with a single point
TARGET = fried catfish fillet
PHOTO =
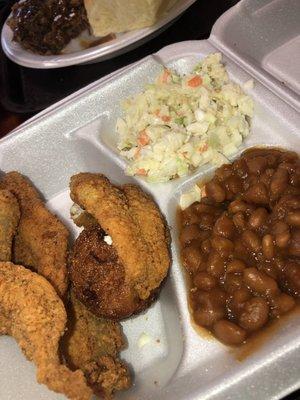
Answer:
(32, 312)
(92, 345)
(108, 204)
(9, 219)
(153, 229)
(41, 241)
(123, 220)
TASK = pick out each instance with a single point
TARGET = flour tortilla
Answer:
(114, 16)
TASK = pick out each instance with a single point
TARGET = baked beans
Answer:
(229, 333)
(241, 244)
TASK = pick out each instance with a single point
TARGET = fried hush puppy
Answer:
(32, 312)
(41, 240)
(92, 344)
(9, 219)
(119, 280)
(99, 278)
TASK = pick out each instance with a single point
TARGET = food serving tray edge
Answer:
(76, 135)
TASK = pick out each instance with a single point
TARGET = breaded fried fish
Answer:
(92, 344)
(108, 204)
(32, 312)
(9, 219)
(41, 240)
(140, 241)
(153, 229)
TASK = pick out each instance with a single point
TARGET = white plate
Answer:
(74, 54)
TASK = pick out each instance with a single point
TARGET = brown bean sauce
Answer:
(240, 245)
(255, 342)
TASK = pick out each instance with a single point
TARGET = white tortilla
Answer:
(114, 16)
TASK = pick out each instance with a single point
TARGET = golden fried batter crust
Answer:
(93, 344)
(41, 240)
(110, 206)
(9, 219)
(32, 312)
(153, 229)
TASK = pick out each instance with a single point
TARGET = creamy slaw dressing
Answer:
(179, 123)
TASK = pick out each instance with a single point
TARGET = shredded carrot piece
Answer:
(203, 148)
(165, 76)
(165, 118)
(143, 138)
(195, 81)
(142, 172)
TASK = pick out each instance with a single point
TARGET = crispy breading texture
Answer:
(108, 204)
(9, 219)
(41, 240)
(32, 312)
(98, 278)
(92, 344)
(153, 229)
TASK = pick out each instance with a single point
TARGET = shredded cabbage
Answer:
(179, 122)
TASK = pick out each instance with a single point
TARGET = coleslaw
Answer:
(180, 123)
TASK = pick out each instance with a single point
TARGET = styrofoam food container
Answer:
(75, 54)
(77, 135)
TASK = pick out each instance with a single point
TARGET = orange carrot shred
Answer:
(195, 81)
(142, 171)
(165, 118)
(143, 138)
(203, 148)
(165, 76)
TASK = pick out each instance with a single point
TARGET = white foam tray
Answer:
(77, 135)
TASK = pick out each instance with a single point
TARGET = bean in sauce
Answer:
(241, 245)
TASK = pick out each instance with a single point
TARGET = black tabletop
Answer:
(26, 90)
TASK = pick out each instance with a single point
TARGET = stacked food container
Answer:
(259, 40)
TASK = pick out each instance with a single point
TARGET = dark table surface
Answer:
(25, 91)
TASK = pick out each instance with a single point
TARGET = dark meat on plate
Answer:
(47, 26)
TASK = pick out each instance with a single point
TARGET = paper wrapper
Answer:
(114, 16)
